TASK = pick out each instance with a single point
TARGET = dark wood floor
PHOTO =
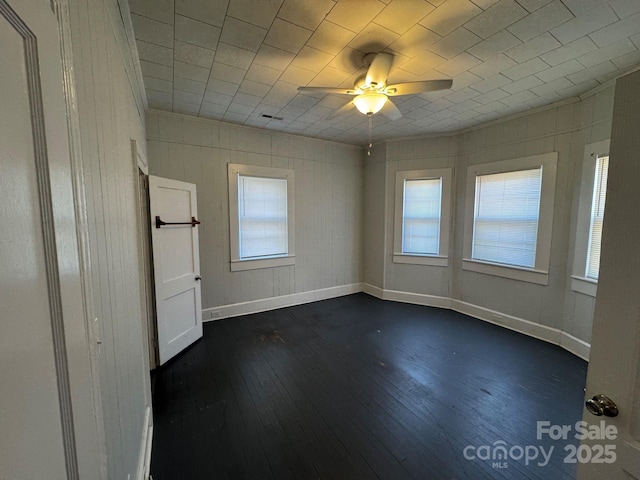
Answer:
(358, 388)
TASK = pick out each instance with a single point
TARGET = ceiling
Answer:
(236, 60)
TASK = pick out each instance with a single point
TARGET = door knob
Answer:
(600, 405)
(198, 278)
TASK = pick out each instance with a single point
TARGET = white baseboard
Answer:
(576, 346)
(144, 459)
(555, 336)
(262, 305)
(407, 297)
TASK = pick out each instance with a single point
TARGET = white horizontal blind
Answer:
(597, 216)
(262, 211)
(421, 216)
(507, 210)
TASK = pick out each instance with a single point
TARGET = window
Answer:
(260, 216)
(597, 216)
(421, 234)
(509, 216)
(505, 221)
(593, 193)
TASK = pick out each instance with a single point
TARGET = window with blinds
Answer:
(597, 216)
(262, 212)
(506, 216)
(421, 216)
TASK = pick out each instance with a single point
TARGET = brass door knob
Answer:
(600, 405)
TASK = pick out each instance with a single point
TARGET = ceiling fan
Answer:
(372, 92)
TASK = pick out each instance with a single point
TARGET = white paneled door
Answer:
(176, 263)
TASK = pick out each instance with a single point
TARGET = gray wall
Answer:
(328, 203)
(110, 115)
(565, 129)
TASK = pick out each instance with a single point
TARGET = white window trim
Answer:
(539, 274)
(579, 282)
(238, 264)
(442, 259)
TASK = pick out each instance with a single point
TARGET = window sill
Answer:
(433, 260)
(530, 275)
(241, 265)
(583, 285)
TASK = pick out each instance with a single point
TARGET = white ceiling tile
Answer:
(191, 86)
(263, 74)
(254, 88)
(155, 53)
(492, 96)
(541, 21)
(155, 70)
(534, 48)
(568, 51)
(187, 53)
(152, 31)
(485, 4)
(158, 85)
(625, 8)
(585, 24)
(272, 57)
(348, 60)
(234, 56)
(196, 33)
(216, 98)
(220, 86)
(355, 14)
(235, 117)
(614, 50)
(458, 64)
(312, 59)
(463, 80)
(561, 70)
(496, 64)
(533, 5)
(523, 84)
(259, 13)
(495, 106)
(518, 98)
(373, 38)
(227, 73)
(305, 14)
(298, 76)
(604, 68)
(465, 106)
(192, 72)
(240, 108)
(423, 63)
(186, 97)
(525, 69)
(242, 34)
(207, 108)
(578, 89)
(494, 45)
(248, 99)
(627, 61)
(330, 38)
(450, 15)
(456, 42)
(617, 31)
(582, 7)
(161, 10)
(414, 41)
(160, 100)
(552, 87)
(400, 16)
(287, 36)
(491, 83)
(330, 76)
(462, 95)
(203, 10)
(497, 17)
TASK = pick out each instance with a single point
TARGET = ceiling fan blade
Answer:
(379, 69)
(341, 91)
(391, 111)
(343, 109)
(412, 88)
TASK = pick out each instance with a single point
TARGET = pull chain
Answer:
(370, 135)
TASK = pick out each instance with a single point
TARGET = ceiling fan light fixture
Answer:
(370, 103)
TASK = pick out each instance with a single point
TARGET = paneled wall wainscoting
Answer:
(555, 336)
